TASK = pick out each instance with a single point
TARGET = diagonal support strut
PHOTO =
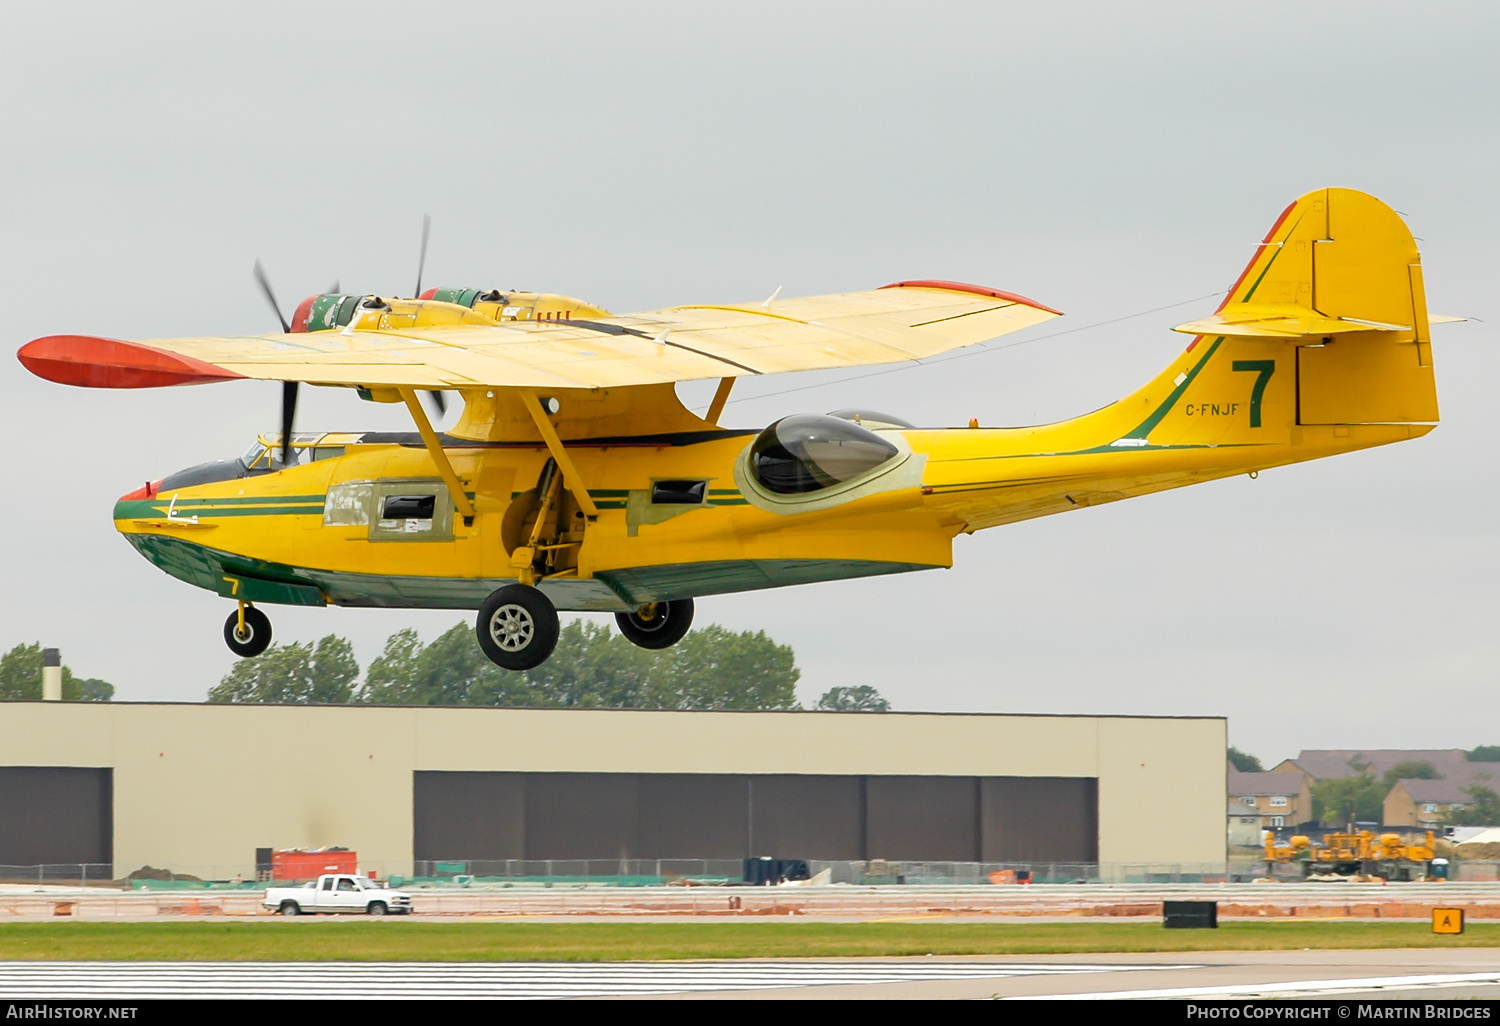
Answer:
(571, 479)
(435, 450)
(721, 396)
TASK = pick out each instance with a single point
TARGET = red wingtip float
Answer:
(109, 363)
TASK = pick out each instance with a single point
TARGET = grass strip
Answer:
(384, 940)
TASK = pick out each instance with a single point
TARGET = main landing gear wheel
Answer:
(252, 641)
(517, 627)
(657, 624)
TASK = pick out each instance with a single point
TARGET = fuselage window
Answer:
(408, 507)
(805, 453)
(678, 493)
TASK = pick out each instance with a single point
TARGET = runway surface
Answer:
(1212, 976)
(335, 980)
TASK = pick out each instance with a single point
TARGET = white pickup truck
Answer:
(338, 892)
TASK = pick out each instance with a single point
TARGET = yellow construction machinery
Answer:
(1353, 854)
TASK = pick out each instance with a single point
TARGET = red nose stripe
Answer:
(978, 290)
(109, 363)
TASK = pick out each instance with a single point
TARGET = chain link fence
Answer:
(490, 873)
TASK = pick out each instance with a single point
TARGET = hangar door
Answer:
(483, 816)
(56, 816)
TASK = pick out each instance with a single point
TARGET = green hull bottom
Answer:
(256, 580)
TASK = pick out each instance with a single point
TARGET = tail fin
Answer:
(1339, 279)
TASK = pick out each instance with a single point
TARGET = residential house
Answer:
(1334, 763)
(1418, 804)
(1280, 798)
(1424, 803)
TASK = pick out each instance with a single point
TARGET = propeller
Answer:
(422, 260)
(439, 400)
(265, 289)
(288, 388)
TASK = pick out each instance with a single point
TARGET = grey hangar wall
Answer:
(482, 816)
(198, 788)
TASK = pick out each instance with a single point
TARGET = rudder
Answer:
(1339, 277)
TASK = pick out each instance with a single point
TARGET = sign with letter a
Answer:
(1447, 920)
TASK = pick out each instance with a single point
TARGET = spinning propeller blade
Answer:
(288, 413)
(288, 388)
(265, 288)
(422, 260)
(438, 399)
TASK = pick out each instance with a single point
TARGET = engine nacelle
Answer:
(518, 306)
(325, 312)
(332, 311)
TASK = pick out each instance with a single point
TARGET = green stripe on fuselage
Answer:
(237, 506)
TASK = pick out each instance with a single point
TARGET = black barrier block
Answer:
(792, 869)
(760, 872)
(1190, 915)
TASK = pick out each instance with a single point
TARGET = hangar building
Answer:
(201, 787)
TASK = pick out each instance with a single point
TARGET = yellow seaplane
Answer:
(576, 480)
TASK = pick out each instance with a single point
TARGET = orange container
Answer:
(296, 864)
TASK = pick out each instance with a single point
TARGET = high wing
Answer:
(905, 321)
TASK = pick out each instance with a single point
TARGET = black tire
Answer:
(663, 627)
(517, 627)
(290, 908)
(377, 908)
(257, 626)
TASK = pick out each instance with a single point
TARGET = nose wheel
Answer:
(517, 627)
(247, 632)
(657, 624)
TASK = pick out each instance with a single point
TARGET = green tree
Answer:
(1482, 809)
(21, 678)
(1485, 753)
(856, 699)
(710, 668)
(453, 670)
(592, 666)
(1415, 769)
(714, 668)
(296, 674)
(1243, 762)
(1342, 800)
(391, 678)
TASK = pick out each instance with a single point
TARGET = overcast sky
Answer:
(1104, 159)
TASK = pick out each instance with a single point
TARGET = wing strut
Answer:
(571, 478)
(721, 396)
(435, 450)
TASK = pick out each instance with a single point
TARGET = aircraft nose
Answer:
(146, 491)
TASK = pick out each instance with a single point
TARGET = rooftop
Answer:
(1287, 782)
(1441, 790)
(1333, 763)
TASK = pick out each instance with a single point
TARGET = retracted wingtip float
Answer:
(575, 479)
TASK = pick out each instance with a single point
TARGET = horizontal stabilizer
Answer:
(1445, 319)
(1279, 322)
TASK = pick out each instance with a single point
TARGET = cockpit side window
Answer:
(807, 453)
(295, 458)
(255, 456)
